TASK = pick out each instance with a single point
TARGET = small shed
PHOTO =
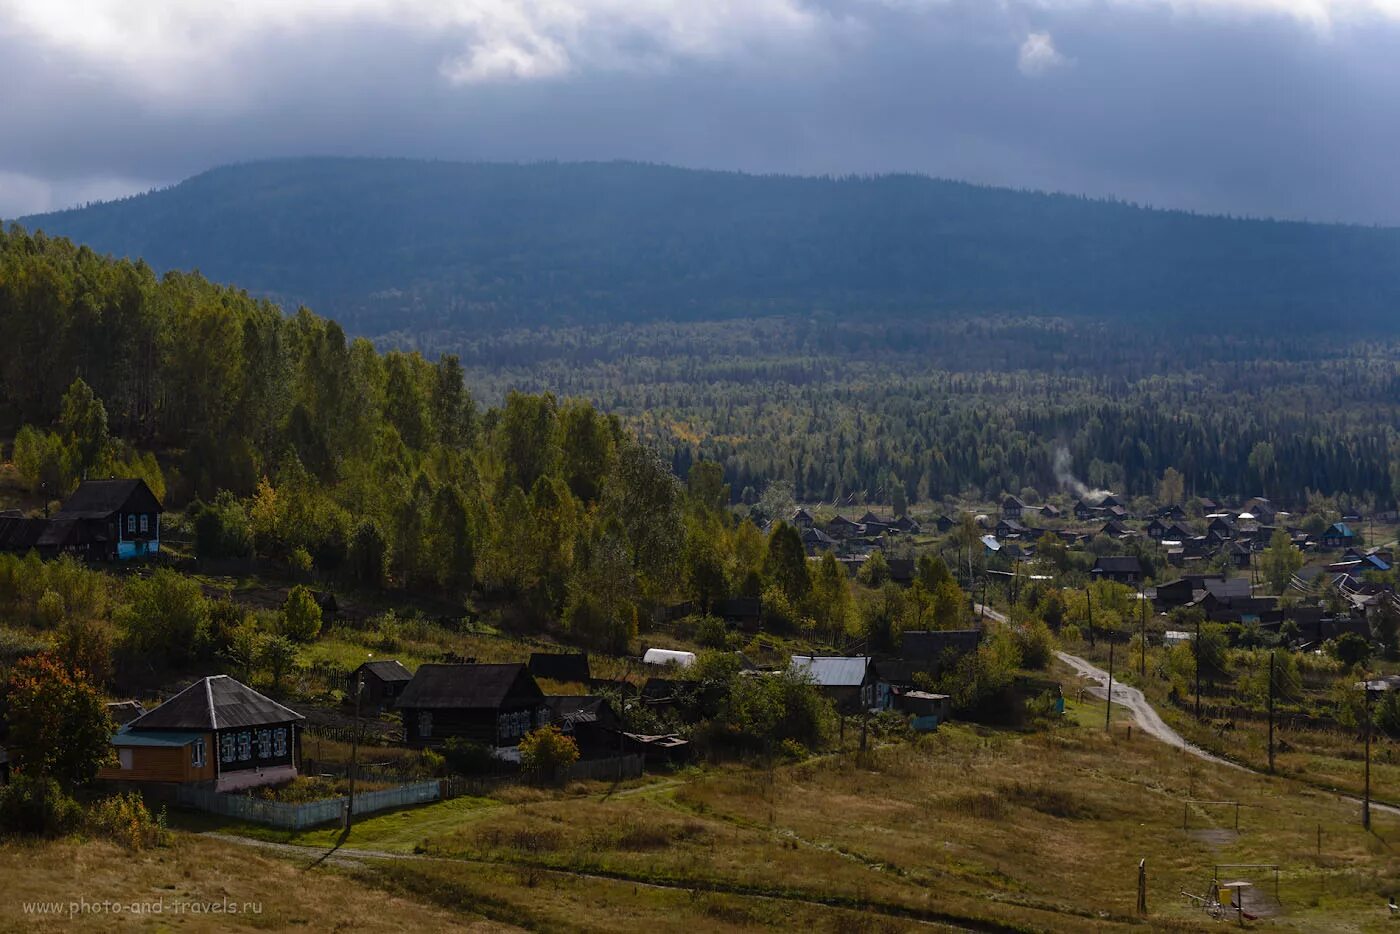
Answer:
(926, 710)
(383, 679)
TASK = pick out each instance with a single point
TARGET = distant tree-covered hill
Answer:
(395, 245)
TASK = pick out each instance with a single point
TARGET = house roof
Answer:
(388, 669)
(579, 708)
(560, 666)
(129, 737)
(471, 687)
(217, 702)
(1340, 528)
(98, 499)
(1118, 564)
(833, 671)
(930, 644)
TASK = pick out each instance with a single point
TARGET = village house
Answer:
(1338, 535)
(802, 519)
(1050, 511)
(1084, 511)
(217, 732)
(104, 520)
(843, 528)
(934, 650)
(926, 710)
(943, 524)
(493, 705)
(383, 681)
(850, 682)
(1125, 569)
(590, 720)
(1012, 508)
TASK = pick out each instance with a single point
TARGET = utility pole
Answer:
(1271, 713)
(1089, 602)
(1366, 799)
(354, 751)
(1142, 647)
(1108, 698)
(1198, 668)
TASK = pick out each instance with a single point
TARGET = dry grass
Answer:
(202, 872)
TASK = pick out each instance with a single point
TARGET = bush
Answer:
(31, 804)
(546, 750)
(465, 757)
(1350, 649)
(301, 615)
(712, 633)
(1036, 644)
(127, 820)
(221, 528)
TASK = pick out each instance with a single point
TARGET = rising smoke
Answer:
(1068, 481)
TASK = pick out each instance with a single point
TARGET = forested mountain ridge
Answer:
(393, 245)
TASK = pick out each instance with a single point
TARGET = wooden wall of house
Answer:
(162, 764)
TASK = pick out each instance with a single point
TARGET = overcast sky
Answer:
(1272, 107)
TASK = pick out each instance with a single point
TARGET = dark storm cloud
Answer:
(1245, 106)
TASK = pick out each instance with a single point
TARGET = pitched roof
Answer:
(560, 667)
(931, 644)
(1118, 564)
(97, 499)
(469, 687)
(833, 671)
(217, 702)
(579, 708)
(388, 669)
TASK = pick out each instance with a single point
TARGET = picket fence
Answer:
(287, 816)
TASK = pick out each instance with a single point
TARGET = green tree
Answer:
(875, 572)
(83, 421)
(279, 656)
(166, 617)
(1172, 488)
(1350, 649)
(785, 565)
(43, 462)
(832, 603)
(301, 615)
(1280, 561)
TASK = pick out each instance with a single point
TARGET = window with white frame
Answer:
(425, 724)
(279, 742)
(197, 754)
(145, 523)
(228, 747)
(245, 746)
(131, 523)
(264, 744)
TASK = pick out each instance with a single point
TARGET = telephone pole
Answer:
(1271, 713)
(1142, 647)
(1089, 602)
(1108, 700)
(1198, 668)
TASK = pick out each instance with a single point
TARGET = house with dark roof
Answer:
(590, 720)
(1172, 513)
(494, 705)
(383, 680)
(1084, 511)
(217, 732)
(943, 523)
(567, 667)
(801, 519)
(1012, 508)
(841, 527)
(815, 541)
(1050, 511)
(933, 650)
(1126, 569)
(123, 515)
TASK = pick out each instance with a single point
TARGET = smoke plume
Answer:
(1068, 481)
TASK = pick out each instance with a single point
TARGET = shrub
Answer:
(1350, 649)
(546, 750)
(301, 615)
(33, 804)
(465, 757)
(1036, 644)
(712, 633)
(127, 820)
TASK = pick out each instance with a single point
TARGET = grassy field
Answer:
(973, 828)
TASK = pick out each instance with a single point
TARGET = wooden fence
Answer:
(308, 814)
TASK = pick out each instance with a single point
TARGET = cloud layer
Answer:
(1277, 107)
